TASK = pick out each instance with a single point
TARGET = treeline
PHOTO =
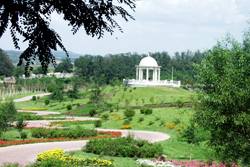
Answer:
(113, 68)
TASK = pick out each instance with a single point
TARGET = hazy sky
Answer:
(160, 25)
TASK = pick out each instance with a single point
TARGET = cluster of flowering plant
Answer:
(195, 163)
(126, 127)
(34, 109)
(146, 162)
(70, 160)
(171, 126)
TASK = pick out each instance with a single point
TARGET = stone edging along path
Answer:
(27, 153)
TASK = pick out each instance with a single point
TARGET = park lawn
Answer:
(142, 96)
(53, 106)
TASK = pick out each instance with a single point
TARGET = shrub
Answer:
(124, 147)
(105, 116)
(23, 135)
(98, 124)
(129, 113)
(177, 121)
(126, 122)
(146, 111)
(157, 118)
(92, 112)
(141, 119)
(69, 107)
(76, 132)
(77, 104)
(28, 116)
(34, 98)
(150, 123)
(47, 101)
(179, 103)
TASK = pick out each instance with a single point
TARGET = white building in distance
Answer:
(148, 73)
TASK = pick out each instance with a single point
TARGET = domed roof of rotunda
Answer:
(148, 61)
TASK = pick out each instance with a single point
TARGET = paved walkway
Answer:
(27, 153)
(27, 98)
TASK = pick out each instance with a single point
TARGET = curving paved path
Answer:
(27, 98)
(27, 153)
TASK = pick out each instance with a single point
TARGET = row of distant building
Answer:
(12, 80)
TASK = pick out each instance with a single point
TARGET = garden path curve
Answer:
(27, 98)
(27, 153)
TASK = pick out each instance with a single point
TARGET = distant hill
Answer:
(59, 55)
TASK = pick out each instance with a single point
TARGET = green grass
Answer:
(84, 110)
(141, 96)
(76, 123)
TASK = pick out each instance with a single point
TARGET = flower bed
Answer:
(17, 142)
(67, 160)
(126, 127)
(34, 109)
(193, 163)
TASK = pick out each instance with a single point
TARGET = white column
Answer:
(139, 70)
(156, 72)
(147, 75)
(137, 73)
(159, 75)
(153, 74)
(141, 74)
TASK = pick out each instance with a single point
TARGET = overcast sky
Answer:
(160, 25)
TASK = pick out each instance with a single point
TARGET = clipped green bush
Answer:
(105, 116)
(92, 112)
(98, 124)
(69, 107)
(76, 132)
(129, 113)
(47, 101)
(146, 111)
(34, 98)
(23, 135)
(124, 147)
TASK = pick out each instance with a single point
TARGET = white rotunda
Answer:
(148, 73)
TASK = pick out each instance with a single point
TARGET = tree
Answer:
(193, 134)
(31, 19)
(7, 115)
(66, 66)
(96, 96)
(19, 71)
(224, 79)
(39, 70)
(6, 66)
(20, 125)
